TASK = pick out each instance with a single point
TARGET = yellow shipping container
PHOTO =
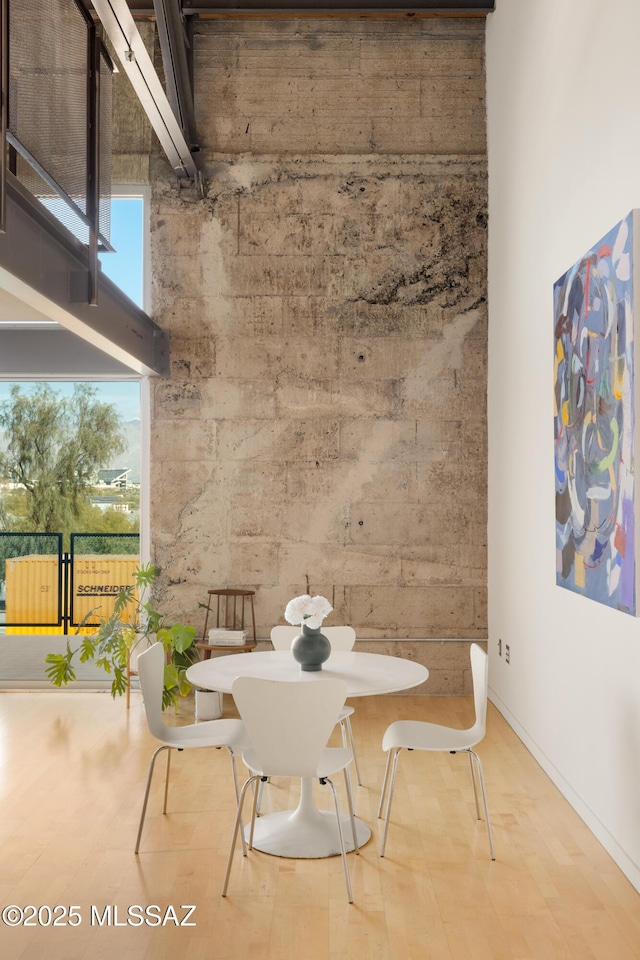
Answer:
(97, 581)
(32, 589)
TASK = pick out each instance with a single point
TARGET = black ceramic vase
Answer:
(310, 648)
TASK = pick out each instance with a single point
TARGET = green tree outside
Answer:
(53, 446)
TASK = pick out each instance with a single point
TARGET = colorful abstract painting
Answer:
(594, 422)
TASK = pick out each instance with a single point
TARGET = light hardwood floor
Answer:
(72, 773)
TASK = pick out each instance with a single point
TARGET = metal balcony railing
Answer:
(43, 589)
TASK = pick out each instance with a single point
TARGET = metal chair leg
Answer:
(475, 785)
(166, 782)
(346, 723)
(237, 792)
(343, 851)
(347, 781)
(236, 827)
(389, 796)
(261, 784)
(484, 801)
(384, 783)
(146, 793)
(254, 813)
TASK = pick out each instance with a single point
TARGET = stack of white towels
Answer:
(220, 637)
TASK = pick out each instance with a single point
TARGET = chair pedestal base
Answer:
(305, 835)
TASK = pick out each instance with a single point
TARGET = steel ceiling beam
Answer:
(124, 35)
(32, 352)
(174, 33)
(328, 7)
(46, 268)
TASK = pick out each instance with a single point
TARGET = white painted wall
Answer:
(563, 83)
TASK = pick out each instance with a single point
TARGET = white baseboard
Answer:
(630, 869)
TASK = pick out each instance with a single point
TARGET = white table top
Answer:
(366, 674)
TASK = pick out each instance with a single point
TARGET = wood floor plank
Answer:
(70, 800)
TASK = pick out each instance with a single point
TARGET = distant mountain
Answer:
(130, 457)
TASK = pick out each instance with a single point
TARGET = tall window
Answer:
(111, 504)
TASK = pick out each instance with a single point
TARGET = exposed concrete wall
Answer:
(324, 426)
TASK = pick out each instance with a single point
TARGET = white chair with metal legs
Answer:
(342, 639)
(214, 733)
(419, 735)
(288, 725)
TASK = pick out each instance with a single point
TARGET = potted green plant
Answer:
(133, 624)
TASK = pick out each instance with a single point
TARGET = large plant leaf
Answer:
(178, 637)
(88, 648)
(146, 574)
(171, 678)
(59, 668)
(119, 683)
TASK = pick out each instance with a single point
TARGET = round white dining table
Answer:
(307, 832)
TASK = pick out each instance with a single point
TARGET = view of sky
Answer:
(124, 267)
(124, 395)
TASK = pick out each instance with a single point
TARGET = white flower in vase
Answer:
(306, 610)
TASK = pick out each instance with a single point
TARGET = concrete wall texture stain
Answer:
(323, 428)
